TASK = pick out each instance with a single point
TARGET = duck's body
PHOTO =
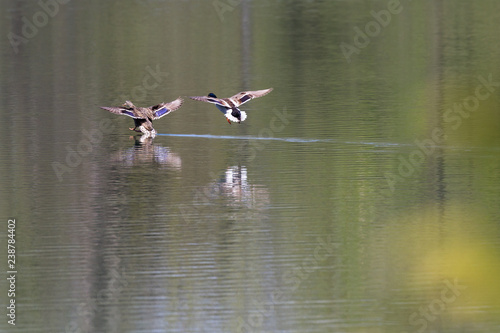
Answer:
(230, 106)
(143, 117)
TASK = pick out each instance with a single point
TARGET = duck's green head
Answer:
(212, 95)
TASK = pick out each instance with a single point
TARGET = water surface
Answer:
(361, 195)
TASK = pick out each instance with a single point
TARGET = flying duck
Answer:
(143, 117)
(229, 106)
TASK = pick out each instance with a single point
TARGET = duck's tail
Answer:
(243, 115)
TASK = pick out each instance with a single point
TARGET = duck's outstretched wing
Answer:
(213, 100)
(121, 110)
(163, 109)
(245, 96)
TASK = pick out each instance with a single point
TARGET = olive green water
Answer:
(361, 195)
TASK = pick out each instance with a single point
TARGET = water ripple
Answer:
(305, 140)
(246, 137)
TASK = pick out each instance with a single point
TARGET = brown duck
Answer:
(144, 116)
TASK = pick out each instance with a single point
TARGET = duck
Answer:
(230, 106)
(144, 116)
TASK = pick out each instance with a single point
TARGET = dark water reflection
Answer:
(358, 196)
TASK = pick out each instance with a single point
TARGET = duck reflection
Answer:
(145, 152)
(234, 187)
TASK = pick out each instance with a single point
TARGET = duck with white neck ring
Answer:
(230, 106)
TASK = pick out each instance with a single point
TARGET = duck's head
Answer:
(212, 95)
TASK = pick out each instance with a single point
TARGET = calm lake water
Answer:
(361, 195)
